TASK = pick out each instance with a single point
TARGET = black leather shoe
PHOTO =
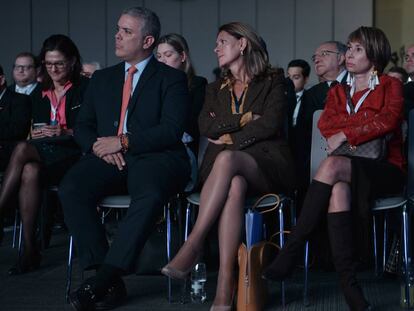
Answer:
(84, 298)
(114, 297)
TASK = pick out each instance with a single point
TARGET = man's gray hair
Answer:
(339, 46)
(152, 26)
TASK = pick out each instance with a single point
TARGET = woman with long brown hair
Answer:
(243, 118)
(45, 158)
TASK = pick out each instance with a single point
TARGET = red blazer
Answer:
(380, 113)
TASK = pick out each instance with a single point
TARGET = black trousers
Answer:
(150, 180)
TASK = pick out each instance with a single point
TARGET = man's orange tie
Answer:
(126, 95)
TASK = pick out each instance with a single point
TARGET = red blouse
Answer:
(380, 113)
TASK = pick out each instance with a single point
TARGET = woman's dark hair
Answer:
(255, 57)
(180, 45)
(376, 45)
(67, 47)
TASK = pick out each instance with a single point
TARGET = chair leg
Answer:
(282, 241)
(69, 270)
(187, 221)
(20, 246)
(16, 219)
(406, 249)
(305, 281)
(384, 247)
(374, 227)
(168, 237)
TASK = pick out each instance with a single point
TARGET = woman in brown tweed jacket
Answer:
(243, 117)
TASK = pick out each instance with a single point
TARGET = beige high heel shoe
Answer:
(174, 273)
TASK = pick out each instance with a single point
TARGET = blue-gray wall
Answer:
(291, 28)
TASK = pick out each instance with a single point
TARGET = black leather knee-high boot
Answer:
(340, 237)
(314, 208)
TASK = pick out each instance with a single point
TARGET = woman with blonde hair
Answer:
(243, 117)
(172, 49)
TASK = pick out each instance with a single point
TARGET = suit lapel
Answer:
(117, 84)
(148, 72)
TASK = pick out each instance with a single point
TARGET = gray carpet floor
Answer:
(44, 289)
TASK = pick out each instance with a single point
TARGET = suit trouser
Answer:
(150, 180)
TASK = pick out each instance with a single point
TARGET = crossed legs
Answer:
(222, 198)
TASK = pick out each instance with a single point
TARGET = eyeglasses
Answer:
(22, 67)
(407, 57)
(323, 54)
(58, 65)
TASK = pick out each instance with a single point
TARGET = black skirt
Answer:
(57, 155)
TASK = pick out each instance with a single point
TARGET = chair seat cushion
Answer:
(389, 203)
(194, 199)
(116, 201)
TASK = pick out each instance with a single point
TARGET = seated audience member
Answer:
(89, 68)
(369, 107)
(398, 73)
(298, 71)
(243, 118)
(409, 86)
(172, 50)
(409, 62)
(134, 147)
(15, 117)
(25, 71)
(45, 158)
(329, 65)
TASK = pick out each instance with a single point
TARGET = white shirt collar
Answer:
(300, 93)
(140, 66)
(341, 76)
(27, 90)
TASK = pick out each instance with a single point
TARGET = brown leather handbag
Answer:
(252, 289)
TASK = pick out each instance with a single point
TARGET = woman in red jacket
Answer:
(342, 181)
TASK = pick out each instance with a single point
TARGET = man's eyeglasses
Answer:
(58, 65)
(407, 57)
(323, 54)
(22, 67)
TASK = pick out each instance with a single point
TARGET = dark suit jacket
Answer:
(74, 97)
(36, 94)
(408, 98)
(263, 138)
(15, 115)
(197, 91)
(157, 110)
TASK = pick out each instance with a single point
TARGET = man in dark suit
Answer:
(15, 117)
(409, 86)
(25, 70)
(329, 65)
(137, 149)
